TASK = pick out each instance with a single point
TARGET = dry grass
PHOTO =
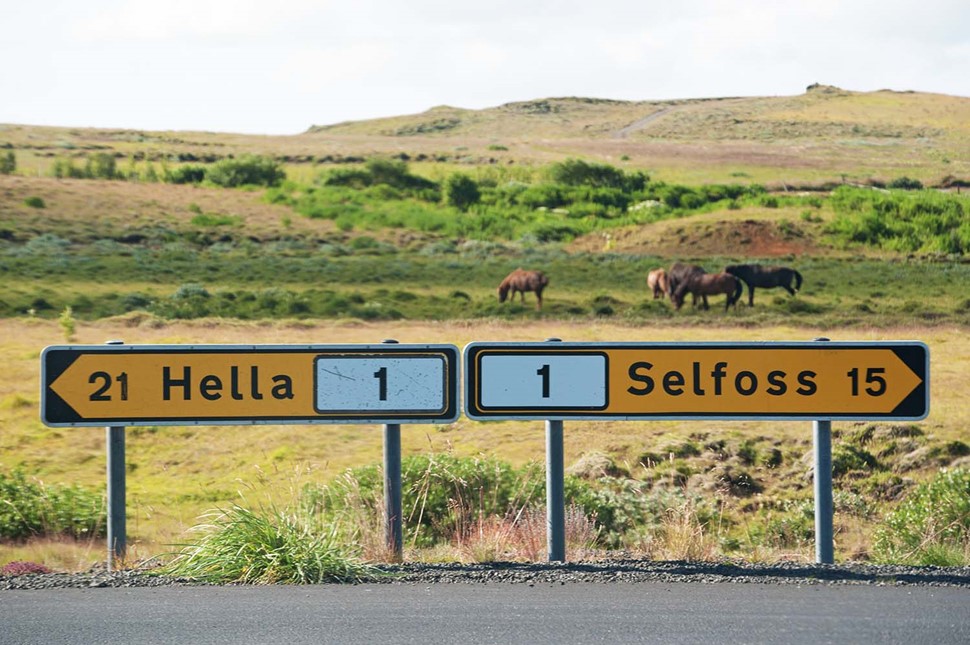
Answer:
(812, 137)
(176, 473)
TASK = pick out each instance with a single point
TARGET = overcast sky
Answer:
(278, 67)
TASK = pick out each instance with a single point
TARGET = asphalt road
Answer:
(490, 613)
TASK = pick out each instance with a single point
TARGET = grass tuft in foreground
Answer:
(269, 545)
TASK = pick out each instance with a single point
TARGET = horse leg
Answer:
(706, 306)
(751, 295)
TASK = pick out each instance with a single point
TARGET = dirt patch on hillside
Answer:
(723, 238)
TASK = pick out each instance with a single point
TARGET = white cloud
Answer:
(134, 20)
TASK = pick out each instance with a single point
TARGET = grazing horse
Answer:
(678, 274)
(709, 284)
(521, 281)
(756, 275)
(657, 283)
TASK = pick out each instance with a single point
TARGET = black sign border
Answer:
(55, 360)
(914, 407)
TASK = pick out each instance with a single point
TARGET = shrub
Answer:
(909, 222)
(101, 166)
(187, 174)
(441, 494)
(65, 169)
(31, 508)
(208, 220)
(905, 183)
(932, 524)
(8, 163)
(67, 323)
(20, 568)
(847, 458)
(254, 170)
(35, 202)
(189, 291)
(575, 172)
(461, 191)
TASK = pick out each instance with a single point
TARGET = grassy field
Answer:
(176, 473)
(88, 260)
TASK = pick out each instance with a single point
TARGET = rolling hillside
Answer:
(826, 134)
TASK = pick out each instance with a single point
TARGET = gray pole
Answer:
(822, 447)
(393, 522)
(393, 527)
(117, 533)
(555, 489)
(555, 494)
(823, 492)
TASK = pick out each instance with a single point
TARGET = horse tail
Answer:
(798, 279)
(738, 290)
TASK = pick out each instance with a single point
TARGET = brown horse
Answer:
(657, 283)
(680, 273)
(521, 281)
(709, 284)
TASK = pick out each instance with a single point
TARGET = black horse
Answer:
(680, 273)
(756, 275)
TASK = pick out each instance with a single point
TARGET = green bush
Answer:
(31, 508)
(65, 169)
(35, 202)
(8, 163)
(441, 494)
(461, 191)
(931, 526)
(908, 222)
(905, 183)
(248, 170)
(186, 174)
(101, 166)
(209, 220)
(575, 172)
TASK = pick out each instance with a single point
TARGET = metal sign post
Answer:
(555, 493)
(130, 385)
(393, 521)
(116, 493)
(117, 530)
(555, 486)
(824, 513)
(393, 507)
(766, 380)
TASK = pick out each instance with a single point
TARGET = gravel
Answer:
(598, 572)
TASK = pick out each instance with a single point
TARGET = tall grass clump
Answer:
(30, 508)
(269, 544)
(442, 495)
(932, 524)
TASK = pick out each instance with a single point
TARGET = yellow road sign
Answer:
(245, 384)
(811, 380)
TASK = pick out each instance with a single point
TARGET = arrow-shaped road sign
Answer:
(770, 380)
(246, 384)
